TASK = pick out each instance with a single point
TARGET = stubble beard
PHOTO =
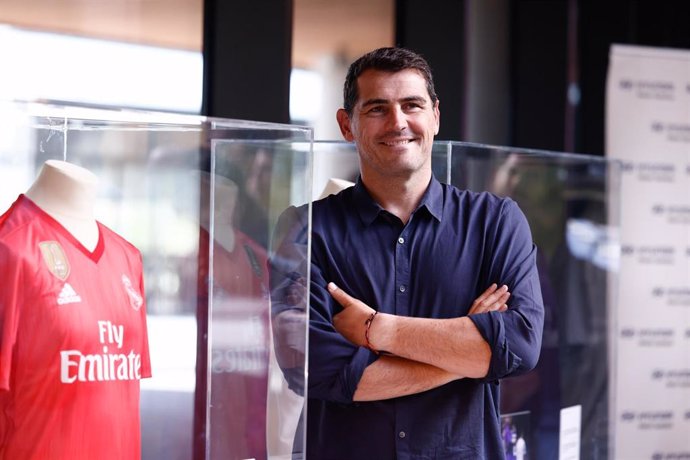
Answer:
(396, 169)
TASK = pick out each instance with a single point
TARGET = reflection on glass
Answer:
(289, 267)
(257, 352)
(565, 199)
(570, 203)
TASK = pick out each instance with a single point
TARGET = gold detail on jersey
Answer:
(55, 258)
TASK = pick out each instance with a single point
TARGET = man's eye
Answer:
(375, 111)
(412, 106)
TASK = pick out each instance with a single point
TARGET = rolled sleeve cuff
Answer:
(503, 361)
(353, 373)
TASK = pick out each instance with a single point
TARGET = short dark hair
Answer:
(387, 60)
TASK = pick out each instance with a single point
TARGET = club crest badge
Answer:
(55, 258)
(135, 299)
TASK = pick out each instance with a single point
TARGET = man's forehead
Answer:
(385, 85)
(379, 75)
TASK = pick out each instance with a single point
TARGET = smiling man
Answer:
(409, 333)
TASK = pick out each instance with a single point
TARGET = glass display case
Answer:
(199, 198)
(571, 204)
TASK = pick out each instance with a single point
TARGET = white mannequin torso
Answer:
(67, 193)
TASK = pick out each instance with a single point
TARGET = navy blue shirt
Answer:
(455, 245)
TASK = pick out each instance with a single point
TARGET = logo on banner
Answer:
(674, 132)
(625, 84)
(657, 126)
(55, 258)
(650, 337)
(677, 293)
(627, 332)
(679, 132)
(675, 214)
(672, 378)
(657, 374)
(671, 455)
(649, 89)
(627, 166)
(660, 255)
(680, 296)
(650, 420)
(656, 172)
(655, 89)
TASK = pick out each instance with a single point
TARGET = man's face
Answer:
(393, 123)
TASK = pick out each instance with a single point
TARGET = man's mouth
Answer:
(396, 143)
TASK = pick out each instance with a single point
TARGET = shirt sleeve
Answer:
(514, 335)
(335, 365)
(10, 299)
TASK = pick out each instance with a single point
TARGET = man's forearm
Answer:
(392, 377)
(453, 345)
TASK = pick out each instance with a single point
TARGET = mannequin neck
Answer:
(67, 193)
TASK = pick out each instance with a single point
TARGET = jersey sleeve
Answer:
(145, 355)
(11, 297)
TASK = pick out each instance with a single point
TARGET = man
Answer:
(403, 361)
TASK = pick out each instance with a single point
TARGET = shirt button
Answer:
(401, 240)
(401, 434)
(402, 288)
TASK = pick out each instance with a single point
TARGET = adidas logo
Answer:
(68, 295)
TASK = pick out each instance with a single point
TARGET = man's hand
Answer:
(351, 322)
(493, 299)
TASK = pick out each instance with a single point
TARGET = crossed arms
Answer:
(424, 353)
(483, 341)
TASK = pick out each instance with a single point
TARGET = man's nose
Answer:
(397, 119)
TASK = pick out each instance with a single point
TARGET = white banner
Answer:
(648, 129)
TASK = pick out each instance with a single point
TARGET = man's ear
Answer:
(437, 115)
(344, 123)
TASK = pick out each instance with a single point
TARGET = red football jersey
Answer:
(73, 341)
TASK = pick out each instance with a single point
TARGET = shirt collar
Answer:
(433, 199)
(368, 209)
